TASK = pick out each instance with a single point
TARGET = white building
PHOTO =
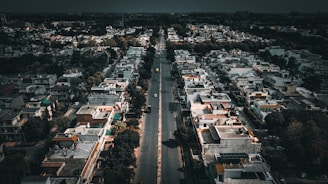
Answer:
(226, 139)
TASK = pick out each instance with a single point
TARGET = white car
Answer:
(155, 95)
(237, 113)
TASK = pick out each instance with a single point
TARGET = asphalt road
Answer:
(171, 172)
(159, 158)
(147, 153)
(147, 158)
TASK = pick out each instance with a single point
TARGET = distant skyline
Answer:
(167, 6)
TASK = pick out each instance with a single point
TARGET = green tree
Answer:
(312, 82)
(138, 100)
(197, 167)
(293, 142)
(110, 42)
(127, 137)
(118, 175)
(123, 43)
(122, 157)
(62, 123)
(315, 140)
(91, 81)
(13, 168)
(275, 122)
(183, 133)
(112, 52)
(60, 108)
(118, 127)
(132, 122)
(99, 77)
(36, 129)
(131, 40)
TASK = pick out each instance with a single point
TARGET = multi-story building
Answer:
(62, 92)
(11, 124)
(263, 107)
(226, 139)
(75, 153)
(240, 167)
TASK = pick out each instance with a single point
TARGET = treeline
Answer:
(121, 159)
(304, 135)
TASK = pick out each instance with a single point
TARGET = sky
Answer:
(164, 6)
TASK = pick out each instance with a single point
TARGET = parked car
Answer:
(237, 113)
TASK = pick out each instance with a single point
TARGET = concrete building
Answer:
(278, 81)
(240, 168)
(11, 124)
(62, 92)
(226, 139)
(95, 116)
(75, 153)
(263, 107)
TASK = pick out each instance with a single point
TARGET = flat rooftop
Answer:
(213, 134)
(232, 132)
(74, 158)
(81, 151)
(93, 110)
(215, 97)
(87, 109)
(84, 130)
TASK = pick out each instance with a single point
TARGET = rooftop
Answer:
(80, 151)
(232, 132)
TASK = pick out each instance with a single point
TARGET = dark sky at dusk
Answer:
(153, 6)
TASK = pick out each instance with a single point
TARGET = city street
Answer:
(158, 157)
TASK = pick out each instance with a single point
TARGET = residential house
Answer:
(75, 153)
(11, 102)
(62, 92)
(226, 139)
(95, 116)
(240, 168)
(11, 123)
(263, 107)
(278, 81)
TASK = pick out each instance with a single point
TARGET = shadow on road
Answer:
(171, 143)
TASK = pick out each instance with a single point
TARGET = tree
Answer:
(91, 81)
(110, 42)
(36, 129)
(132, 122)
(112, 52)
(99, 77)
(182, 133)
(13, 168)
(316, 142)
(60, 108)
(62, 123)
(122, 157)
(118, 175)
(312, 83)
(181, 31)
(294, 137)
(127, 137)
(138, 100)
(131, 40)
(118, 128)
(123, 43)
(197, 167)
(144, 84)
(144, 73)
(274, 122)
